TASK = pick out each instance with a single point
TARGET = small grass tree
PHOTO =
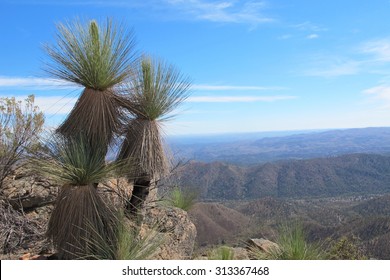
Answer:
(154, 92)
(20, 126)
(80, 217)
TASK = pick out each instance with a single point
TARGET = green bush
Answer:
(181, 198)
(292, 245)
(221, 253)
(346, 248)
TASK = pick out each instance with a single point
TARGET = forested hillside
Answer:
(355, 174)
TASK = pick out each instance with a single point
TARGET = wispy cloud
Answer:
(228, 87)
(34, 83)
(249, 12)
(309, 26)
(312, 36)
(52, 105)
(93, 3)
(231, 99)
(371, 56)
(333, 67)
(381, 92)
(380, 49)
(228, 11)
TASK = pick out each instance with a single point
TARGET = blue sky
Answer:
(255, 65)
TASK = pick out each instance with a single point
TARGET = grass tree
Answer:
(154, 92)
(80, 217)
(97, 57)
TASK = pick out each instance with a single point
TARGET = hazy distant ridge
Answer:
(252, 148)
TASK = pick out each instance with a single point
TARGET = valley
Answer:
(336, 184)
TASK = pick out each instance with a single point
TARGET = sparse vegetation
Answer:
(129, 242)
(181, 198)
(221, 253)
(346, 248)
(292, 245)
(20, 126)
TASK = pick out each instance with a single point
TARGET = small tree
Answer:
(20, 125)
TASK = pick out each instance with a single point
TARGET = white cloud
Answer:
(335, 69)
(34, 83)
(52, 105)
(227, 87)
(309, 26)
(312, 36)
(381, 92)
(285, 37)
(230, 99)
(380, 49)
(250, 12)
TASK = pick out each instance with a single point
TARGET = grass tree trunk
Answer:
(141, 189)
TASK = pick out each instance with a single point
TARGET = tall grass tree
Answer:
(98, 57)
(154, 92)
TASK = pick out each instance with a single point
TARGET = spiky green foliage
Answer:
(292, 245)
(128, 243)
(74, 162)
(181, 198)
(131, 245)
(221, 253)
(96, 56)
(154, 92)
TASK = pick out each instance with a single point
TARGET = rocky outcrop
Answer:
(261, 245)
(26, 191)
(32, 199)
(178, 233)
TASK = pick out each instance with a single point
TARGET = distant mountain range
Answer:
(254, 148)
(353, 174)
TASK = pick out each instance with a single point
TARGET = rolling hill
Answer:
(354, 174)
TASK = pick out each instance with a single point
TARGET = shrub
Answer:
(221, 253)
(346, 248)
(292, 245)
(128, 244)
(20, 125)
(182, 198)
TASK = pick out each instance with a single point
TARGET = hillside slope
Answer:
(355, 174)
